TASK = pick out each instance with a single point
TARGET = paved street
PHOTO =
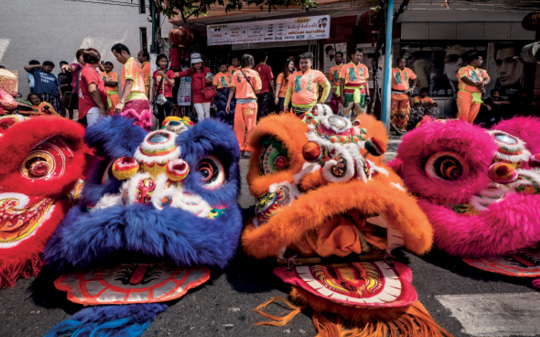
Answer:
(465, 301)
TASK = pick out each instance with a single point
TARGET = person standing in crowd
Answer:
(493, 109)
(163, 85)
(144, 60)
(423, 105)
(39, 106)
(282, 84)
(64, 78)
(111, 85)
(74, 69)
(304, 87)
(333, 77)
(199, 81)
(472, 81)
(353, 84)
(222, 82)
(400, 100)
(133, 101)
(267, 78)
(235, 65)
(246, 83)
(92, 93)
(46, 84)
(31, 81)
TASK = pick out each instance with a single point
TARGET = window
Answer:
(144, 38)
(142, 6)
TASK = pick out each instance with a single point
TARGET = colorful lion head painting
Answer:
(158, 210)
(42, 160)
(479, 189)
(330, 213)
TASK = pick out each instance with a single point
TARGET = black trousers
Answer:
(264, 104)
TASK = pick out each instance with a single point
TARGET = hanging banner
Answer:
(295, 29)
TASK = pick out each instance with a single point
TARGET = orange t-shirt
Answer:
(306, 86)
(110, 77)
(333, 75)
(131, 71)
(145, 70)
(424, 100)
(243, 88)
(232, 69)
(354, 74)
(222, 80)
(400, 78)
(284, 84)
(476, 74)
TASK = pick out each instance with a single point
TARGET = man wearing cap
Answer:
(111, 85)
(133, 102)
(199, 80)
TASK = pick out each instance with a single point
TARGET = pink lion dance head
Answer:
(479, 188)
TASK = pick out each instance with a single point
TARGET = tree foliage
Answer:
(187, 8)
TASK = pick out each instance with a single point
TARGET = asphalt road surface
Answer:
(463, 300)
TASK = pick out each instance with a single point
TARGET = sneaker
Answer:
(246, 154)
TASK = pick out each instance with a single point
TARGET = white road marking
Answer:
(495, 315)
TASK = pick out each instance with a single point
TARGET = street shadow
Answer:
(456, 265)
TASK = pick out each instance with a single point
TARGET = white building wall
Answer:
(55, 29)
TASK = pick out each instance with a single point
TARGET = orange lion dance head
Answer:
(330, 212)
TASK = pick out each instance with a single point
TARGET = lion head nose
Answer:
(177, 169)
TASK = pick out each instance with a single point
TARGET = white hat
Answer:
(196, 58)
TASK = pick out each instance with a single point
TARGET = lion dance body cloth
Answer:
(480, 190)
(42, 160)
(158, 210)
(330, 212)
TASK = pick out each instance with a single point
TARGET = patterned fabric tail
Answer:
(415, 321)
(110, 320)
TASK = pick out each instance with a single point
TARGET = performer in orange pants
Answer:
(245, 118)
(399, 110)
(468, 108)
(472, 81)
(245, 84)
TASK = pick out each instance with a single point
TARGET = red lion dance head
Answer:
(41, 161)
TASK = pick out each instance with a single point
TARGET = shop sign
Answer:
(294, 29)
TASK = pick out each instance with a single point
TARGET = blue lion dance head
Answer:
(156, 209)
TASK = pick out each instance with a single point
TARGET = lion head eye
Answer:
(446, 166)
(211, 172)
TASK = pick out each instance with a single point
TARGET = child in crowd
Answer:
(39, 106)
(222, 82)
(422, 105)
(46, 84)
(111, 85)
(163, 85)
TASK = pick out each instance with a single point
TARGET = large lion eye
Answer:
(47, 160)
(273, 156)
(211, 172)
(446, 166)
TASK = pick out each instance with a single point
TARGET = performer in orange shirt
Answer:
(111, 85)
(222, 82)
(400, 101)
(354, 86)
(333, 77)
(235, 65)
(245, 85)
(144, 59)
(39, 106)
(133, 103)
(472, 81)
(304, 87)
